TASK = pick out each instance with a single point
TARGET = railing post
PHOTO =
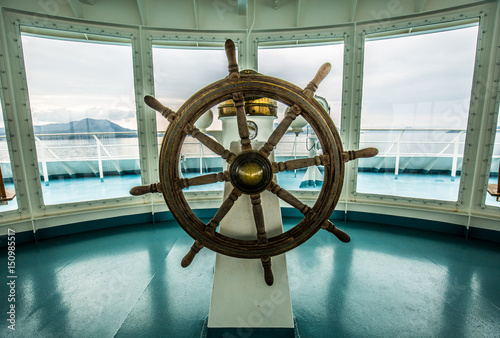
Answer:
(456, 145)
(99, 159)
(201, 158)
(44, 162)
(294, 152)
(398, 154)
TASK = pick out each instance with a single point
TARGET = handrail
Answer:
(411, 129)
(291, 148)
(398, 140)
(98, 146)
(90, 133)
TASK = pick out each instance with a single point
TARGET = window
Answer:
(416, 93)
(6, 170)
(298, 64)
(83, 110)
(494, 169)
(179, 73)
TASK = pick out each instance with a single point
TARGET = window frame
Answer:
(493, 122)
(10, 146)
(304, 41)
(396, 28)
(216, 40)
(73, 31)
(471, 206)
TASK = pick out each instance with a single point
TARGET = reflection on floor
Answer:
(127, 282)
(436, 187)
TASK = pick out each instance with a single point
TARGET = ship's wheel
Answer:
(251, 172)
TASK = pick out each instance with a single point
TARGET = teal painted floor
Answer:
(127, 282)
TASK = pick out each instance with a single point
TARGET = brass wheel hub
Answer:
(250, 172)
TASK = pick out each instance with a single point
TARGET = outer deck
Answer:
(409, 185)
(388, 282)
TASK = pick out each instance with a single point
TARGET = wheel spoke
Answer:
(280, 130)
(211, 144)
(145, 189)
(361, 153)
(268, 273)
(294, 111)
(231, 58)
(211, 226)
(320, 76)
(167, 113)
(290, 199)
(203, 179)
(341, 235)
(223, 210)
(300, 163)
(258, 216)
(241, 119)
(195, 248)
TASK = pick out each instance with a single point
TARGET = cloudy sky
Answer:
(423, 81)
(179, 73)
(178, 76)
(420, 81)
(70, 81)
(298, 65)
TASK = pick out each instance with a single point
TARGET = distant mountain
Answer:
(83, 126)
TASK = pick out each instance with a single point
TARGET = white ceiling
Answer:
(231, 15)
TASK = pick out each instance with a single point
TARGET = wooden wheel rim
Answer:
(252, 85)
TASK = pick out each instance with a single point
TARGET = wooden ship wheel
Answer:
(251, 172)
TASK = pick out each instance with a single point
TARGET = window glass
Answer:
(179, 73)
(83, 109)
(494, 171)
(8, 200)
(416, 94)
(298, 65)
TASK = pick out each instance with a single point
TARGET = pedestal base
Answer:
(240, 296)
(241, 299)
(249, 332)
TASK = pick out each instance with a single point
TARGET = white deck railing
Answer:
(92, 148)
(446, 143)
(119, 153)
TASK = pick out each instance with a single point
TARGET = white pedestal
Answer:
(313, 176)
(240, 296)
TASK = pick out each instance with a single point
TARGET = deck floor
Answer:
(127, 282)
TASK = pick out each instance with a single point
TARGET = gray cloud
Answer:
(70, 80)
(421, 80)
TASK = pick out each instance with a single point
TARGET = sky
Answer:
(414, 81)
(180, 73)
(177, 76)
(420, 81)
(299, 65)
(70, 81)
